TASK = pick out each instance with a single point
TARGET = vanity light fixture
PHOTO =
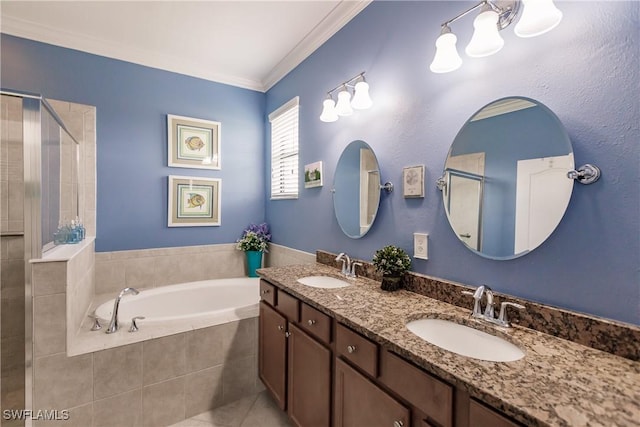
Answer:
(332, 111)
(538, 17)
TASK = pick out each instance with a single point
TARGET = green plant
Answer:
(392, 260)
(254, 238)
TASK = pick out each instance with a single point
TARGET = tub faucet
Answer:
(346, 263)
(113, 324)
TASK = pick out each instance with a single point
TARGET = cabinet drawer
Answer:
(316, 323)
(482, 416)
(357, 349)
(267, 293)
(289, 306)
(424, 391)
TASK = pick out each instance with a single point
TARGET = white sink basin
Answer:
(465, 341)
(323, 282)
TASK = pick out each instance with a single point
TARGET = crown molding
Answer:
(344, 12)
(339, 16)
(58, 37)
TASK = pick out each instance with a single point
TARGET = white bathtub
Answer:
(214, 301)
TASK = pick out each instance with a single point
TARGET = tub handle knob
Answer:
(134, 325)
(96, 322)
(311, 322)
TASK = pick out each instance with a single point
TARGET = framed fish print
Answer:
(194, 201)
(193, 143)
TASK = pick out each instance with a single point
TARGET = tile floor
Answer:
(258, 410)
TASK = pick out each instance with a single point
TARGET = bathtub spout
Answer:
(113, 324)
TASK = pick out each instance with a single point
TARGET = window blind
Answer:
(284, 151)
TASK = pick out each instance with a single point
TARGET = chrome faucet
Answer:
(346, 263)
(489, 309)
(113, 324)
(352, 273)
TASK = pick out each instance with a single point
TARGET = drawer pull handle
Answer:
(265, 291)
(351, 348)
(280, 328)
(311, 322)
(398, 423)
(287, 334)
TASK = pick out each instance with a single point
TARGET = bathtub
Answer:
(208, 301)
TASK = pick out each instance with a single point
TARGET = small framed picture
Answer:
(313, 175)
(194, 201)
(413, 181)
(193, 143)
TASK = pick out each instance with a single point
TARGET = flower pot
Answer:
(254, 262)
(391, 283)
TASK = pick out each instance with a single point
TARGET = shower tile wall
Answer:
(11, 258)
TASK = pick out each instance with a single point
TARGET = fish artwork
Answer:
(194, 143)
(195, 200)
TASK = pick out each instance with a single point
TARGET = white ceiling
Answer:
(250, 44)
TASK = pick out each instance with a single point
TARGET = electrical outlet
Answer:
(421, 245)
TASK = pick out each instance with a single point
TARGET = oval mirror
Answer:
(356, 189)
(505, 186)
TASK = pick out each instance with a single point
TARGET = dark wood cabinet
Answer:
(272, 352)
(309, 384)
(325, 374)
(428, 394)
(483, 416)
(360, 402)
(294, 366)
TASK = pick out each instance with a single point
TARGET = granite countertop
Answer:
(557, 383)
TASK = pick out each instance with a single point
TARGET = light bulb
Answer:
(361, 99)
(328, 111)
(343, 107)
(538, 17)
(446, 58)
(485, 40)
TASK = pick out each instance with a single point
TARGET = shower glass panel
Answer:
(59, 176)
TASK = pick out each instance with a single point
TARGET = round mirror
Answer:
(356, 189)
(505, 186)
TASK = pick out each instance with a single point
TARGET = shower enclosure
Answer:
(39, 164)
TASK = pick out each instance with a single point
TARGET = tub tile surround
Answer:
(152, 383)
(558, 382)
(157, 376)
(614, 337)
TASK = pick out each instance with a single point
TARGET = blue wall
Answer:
(132, 103)
(586, 71)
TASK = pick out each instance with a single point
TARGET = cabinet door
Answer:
(309, 392)
(481, 416)
(359, 402)
(272, 353)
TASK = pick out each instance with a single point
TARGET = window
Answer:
(284, 151)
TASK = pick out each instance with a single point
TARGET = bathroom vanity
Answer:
(344, 357)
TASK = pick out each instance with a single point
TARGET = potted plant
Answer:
(254, 242)
(392, 262)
